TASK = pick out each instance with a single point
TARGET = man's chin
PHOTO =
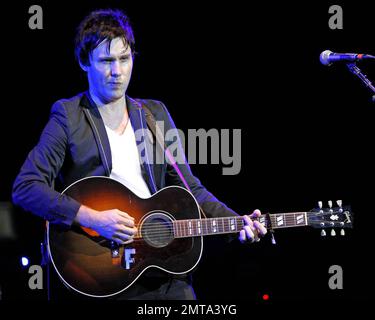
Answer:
(116, 96)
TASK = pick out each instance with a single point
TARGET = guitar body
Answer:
(87, 263)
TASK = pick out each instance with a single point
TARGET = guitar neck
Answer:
(211, 226)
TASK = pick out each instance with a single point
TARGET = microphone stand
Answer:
(353, 68)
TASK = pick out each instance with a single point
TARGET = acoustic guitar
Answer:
(170, 235)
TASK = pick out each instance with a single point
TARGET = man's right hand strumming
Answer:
(112, 224)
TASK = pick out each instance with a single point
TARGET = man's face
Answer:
(109, 72)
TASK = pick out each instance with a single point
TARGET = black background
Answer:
(307, 129)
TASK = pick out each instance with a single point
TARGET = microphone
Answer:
(327, 57)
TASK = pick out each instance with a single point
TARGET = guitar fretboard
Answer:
(211, 226)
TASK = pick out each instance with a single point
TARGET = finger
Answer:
(129, 223)
(125, 215)
(122, 242)
(249, 233)
(256, 214)
(125, 221)
(122, 237)
(126, 230)
(118, 240)
(242, 236)
(260, 228)
(250, 223)
(247, 220)
(256, 237)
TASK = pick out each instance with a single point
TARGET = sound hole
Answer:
(157, 230)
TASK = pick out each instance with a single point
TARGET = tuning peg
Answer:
(333, 232)
(320, 204)
(323, 233)
(330, 205)
(342, 232)
(347, 217)
(339, 203)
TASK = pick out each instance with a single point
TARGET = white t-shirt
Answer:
(126, 166)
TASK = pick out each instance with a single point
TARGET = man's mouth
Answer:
(115, 85)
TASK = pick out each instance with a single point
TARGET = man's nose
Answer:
(115, 68)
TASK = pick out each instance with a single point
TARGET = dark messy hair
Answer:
(100, 25)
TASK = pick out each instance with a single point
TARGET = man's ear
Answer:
(83, 67)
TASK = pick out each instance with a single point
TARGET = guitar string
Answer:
(224, 219)
(183, 223)
(196, 225)
(166, 230)
(157, 226)
(140, 238)
(272, 216)
(167, 233)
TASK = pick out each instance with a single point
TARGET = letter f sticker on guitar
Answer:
(128, 259)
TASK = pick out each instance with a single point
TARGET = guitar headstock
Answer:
(339, 217)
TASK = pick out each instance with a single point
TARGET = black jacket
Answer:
(74, 145)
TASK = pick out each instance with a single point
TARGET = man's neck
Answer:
(112, 105)
(114, 114)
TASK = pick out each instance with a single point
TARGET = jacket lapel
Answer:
(144, 143)
(97, 125)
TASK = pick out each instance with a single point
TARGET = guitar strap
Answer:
(151, 122)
